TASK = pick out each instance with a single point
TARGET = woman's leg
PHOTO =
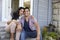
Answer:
(7, 28)
(18, 31)
(12, 36)
(12, 30)
(18, 35)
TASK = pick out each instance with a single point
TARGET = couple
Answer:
(24, 25)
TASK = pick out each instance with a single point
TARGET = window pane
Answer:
(27, 3)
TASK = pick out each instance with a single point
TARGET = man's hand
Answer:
(38, 38)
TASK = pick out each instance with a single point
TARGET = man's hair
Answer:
(27, 8)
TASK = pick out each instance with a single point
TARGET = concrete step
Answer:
(5, 36)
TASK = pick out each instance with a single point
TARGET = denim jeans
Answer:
(25, 35)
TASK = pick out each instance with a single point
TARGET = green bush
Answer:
(53, 35)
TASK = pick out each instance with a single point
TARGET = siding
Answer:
(42, 11)
(35, 8)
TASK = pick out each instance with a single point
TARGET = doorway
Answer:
(15, 5)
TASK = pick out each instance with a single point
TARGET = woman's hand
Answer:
(19, 27)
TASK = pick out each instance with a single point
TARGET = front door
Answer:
(15, 5)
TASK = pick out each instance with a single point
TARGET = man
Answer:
(30, 26)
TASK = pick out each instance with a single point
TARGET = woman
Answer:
(13, 24)
(30, 26)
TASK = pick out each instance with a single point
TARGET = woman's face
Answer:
(26, 12)
(21, 12)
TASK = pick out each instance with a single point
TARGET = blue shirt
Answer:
(26, 26)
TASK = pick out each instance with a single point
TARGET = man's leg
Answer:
(23, 35)
(40, 36)
(33, 35)
(29, 34)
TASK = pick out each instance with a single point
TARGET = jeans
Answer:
(25, 35)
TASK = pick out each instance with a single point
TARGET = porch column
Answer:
(6, 10)
(0, 10)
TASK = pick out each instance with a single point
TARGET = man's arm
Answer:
(38, 30)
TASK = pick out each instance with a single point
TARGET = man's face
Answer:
(27, 12)
(21, 12)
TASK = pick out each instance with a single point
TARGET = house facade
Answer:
(41, 9)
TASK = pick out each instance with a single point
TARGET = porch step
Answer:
(5, 36)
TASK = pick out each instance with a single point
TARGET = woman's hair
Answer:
(27, 8)
(15, 15)
(20, 9)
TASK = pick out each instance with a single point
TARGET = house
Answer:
(42, 10)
